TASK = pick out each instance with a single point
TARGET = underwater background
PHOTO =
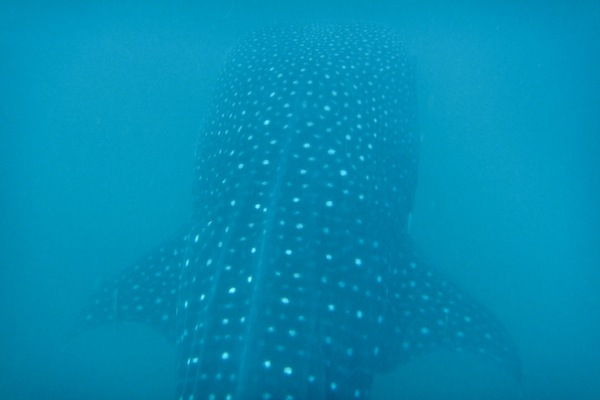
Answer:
(101, 104)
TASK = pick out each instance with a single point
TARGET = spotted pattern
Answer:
(145, 293)
(309, 146)
(297, 279)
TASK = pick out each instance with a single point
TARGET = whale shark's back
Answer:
(297, 278)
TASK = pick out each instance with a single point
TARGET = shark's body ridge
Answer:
(297, 278)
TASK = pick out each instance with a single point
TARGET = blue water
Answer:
(100, 109)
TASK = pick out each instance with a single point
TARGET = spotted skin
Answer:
(297, 279)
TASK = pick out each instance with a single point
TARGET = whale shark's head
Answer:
(296, 278)
(329, 107)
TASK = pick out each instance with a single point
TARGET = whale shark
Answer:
(297, 277)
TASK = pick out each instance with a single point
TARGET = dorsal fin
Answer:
(146, 292)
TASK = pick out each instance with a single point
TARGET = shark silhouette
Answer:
(297, 278)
